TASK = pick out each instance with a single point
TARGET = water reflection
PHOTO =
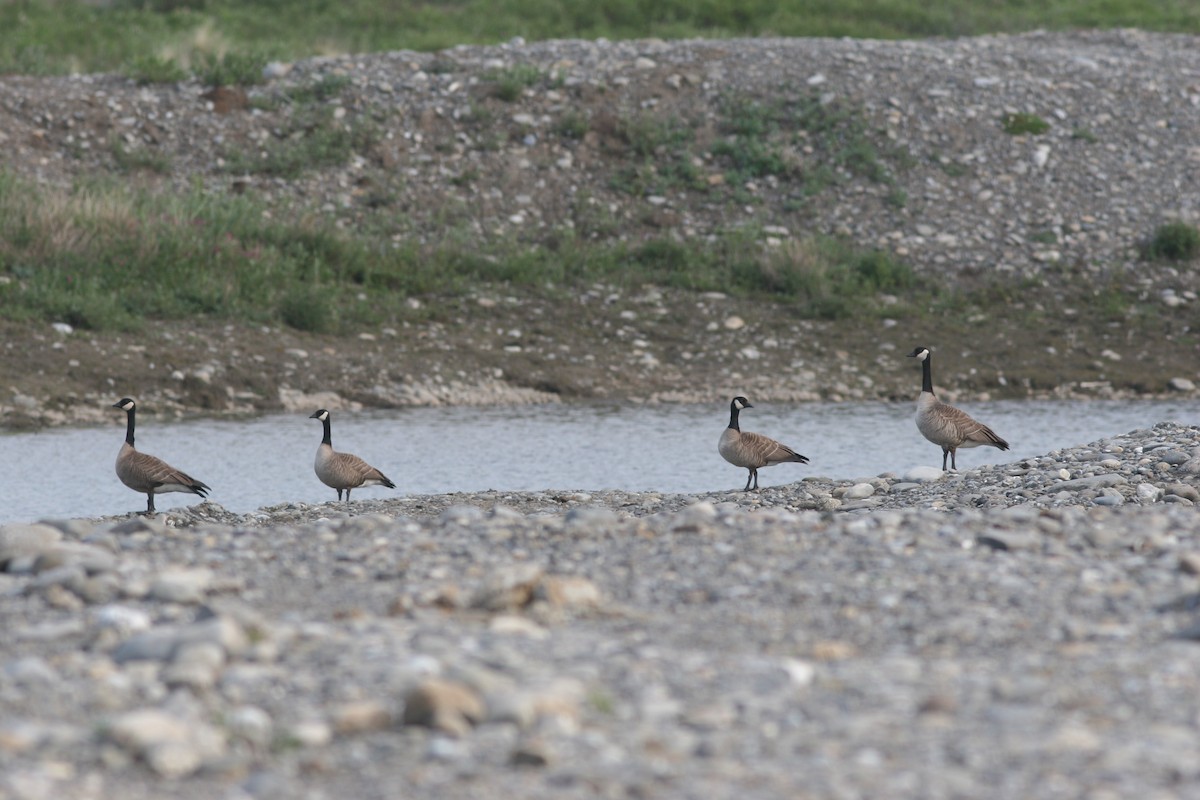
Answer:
(256, 462)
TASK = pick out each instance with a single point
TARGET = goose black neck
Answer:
(326, 440)
(927, 375)
(129, 425)
(733, 416)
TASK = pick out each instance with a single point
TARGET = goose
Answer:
(752, 450)
(343, 471)
(943, 424)
(145, 473)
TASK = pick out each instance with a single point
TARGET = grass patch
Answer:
(571, 124)
(1044, 237)
(660, 154)
(148, 69)
(104, 256)
(1173, 241)
(509, 83)
(73, 35)
(1022, 124)
(313, 139)
(138, 159)
(829, 278)
(328, 86)
(231, 69)
(308, 309)
(766, 139)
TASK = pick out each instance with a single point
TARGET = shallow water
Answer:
(252, 463)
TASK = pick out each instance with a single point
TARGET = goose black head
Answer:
(741, 402)
(125, 404)
(921, 353)
(320, 414)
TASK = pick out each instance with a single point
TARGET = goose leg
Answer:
(945, 452)
(149, 502)
(755, 479)
(347, 495)
(953, 462)
(749, 475)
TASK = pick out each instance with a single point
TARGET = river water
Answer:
(261, 461)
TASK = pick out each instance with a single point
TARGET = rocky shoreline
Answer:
(1020, 630)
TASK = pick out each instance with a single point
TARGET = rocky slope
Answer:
(583, 143)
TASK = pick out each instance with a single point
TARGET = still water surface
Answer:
(256, 462)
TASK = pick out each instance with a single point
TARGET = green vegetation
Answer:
(136, 159)
(231, 69)
(756, 140)
(313, 139)
(72, 35)
(571, 124)
(105, 257)
(1174, 241)
(1044, 237)
(1022, 124)
(147, 69)
(319, 91)
(659, 151)
(508, 84)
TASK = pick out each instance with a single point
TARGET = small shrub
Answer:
(750, 158)
(508, 84)
(442, 65)
(142, 158)
(1084, 135)
(465, 178)
(646, 133)
(571, 125)
(147, 69)
(328, 86)
(312, 141)
(307, 308)
(232, 69)
(896, 197)
(828, 278)
(1044, 237)
(1021, 124)
(1174, 241)
(28, 60)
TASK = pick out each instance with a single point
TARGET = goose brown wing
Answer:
(768, 451)
(972, 431)
(355, 472)
(150, 472)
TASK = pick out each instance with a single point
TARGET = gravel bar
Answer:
(1020, 630)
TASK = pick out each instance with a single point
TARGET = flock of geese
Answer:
(150, 475)
(943, 424)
